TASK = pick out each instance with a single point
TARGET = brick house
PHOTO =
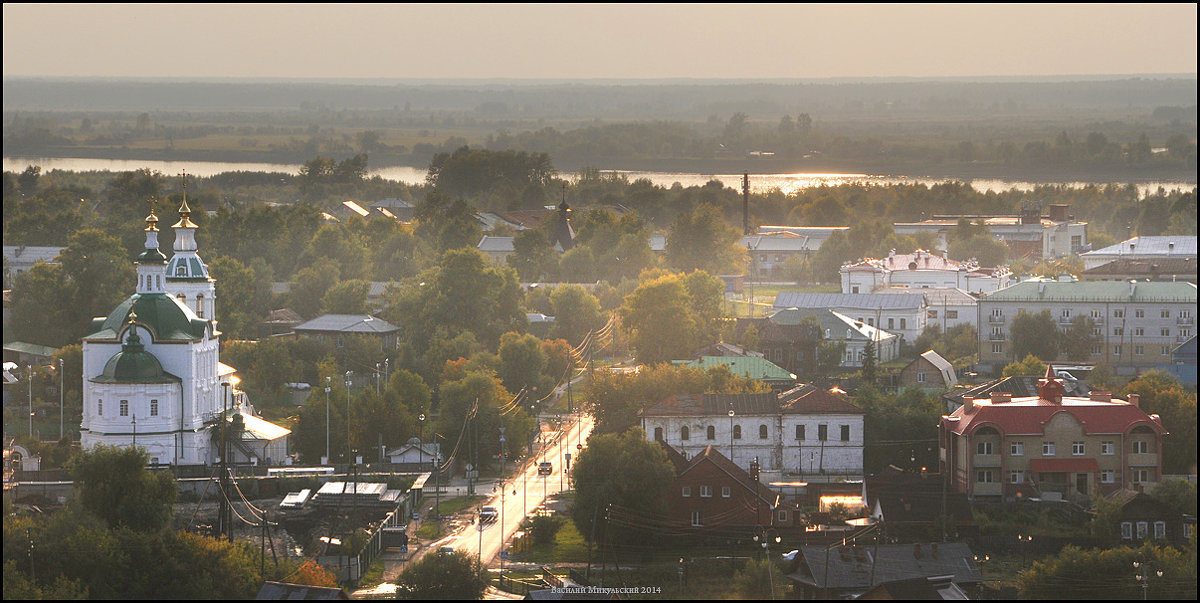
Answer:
(1144, 518)
(1005, 447)
(713, 494)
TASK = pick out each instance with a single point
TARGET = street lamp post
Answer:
(327, 380)
(61, 393)
(29, 373)
(135, 430)
(421, 443)
(765, 542)
(1024, 542)
(503, 486)
(348, 459)
(731, 413)
(1142, 573)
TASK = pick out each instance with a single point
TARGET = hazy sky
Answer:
(584, 41)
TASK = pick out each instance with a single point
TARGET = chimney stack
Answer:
(1100, 396)
(968, 404)
(1136, 400)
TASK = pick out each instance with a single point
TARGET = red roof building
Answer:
(1050, 445)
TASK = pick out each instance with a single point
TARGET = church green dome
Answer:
(166, 317)
(133, 364)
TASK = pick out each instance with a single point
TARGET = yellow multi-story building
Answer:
(1007, 447)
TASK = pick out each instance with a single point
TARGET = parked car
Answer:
(545, 468)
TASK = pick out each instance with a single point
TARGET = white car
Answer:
(488, 514)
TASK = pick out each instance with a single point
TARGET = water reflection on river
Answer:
(788, 183)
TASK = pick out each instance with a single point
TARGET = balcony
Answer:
(1183, 320)
(996, 337)
(1064, 320)
(987, 460)
(996, 319)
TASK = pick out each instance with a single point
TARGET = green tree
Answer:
(521, 361)
(1030, 366)
(443, 576)
(346, 297)
(703, 240)
(310, 285)
(117, 487)
(658, 319)
(1109, 574)
(622, 472)
(1076, 342)
(237, 287)
(576, 312)
(1035, 334)
(868, 366)
(1160, 393)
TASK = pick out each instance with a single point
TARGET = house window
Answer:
(696, 519)
(903, 323)
(705, 491)
(1016, 448)
(1165, 314)
(1166, 350)
(983, 448)
(997, 312)
(1096, 313)
(686, 491)
(997, 348)
(1116, 350)
(951, 313)
(1118, 331)
(1077, 448)
(725, 493)
(1118, 314)
(1126, 530)
(854, 289)
(124, 408)
(1139, 313)
(180, 270)
(711, 432)
(1138, 350)
(1066, 313)
(658, 434)
(762, 432)
(1096, 331)
(737, 432)
(1140, 476)
(200, 306)
(1141, 530)
(822, 432)
(1139, 332)
(1185, 313)
(1160, 529)
(984, 476)
(1016, 477)
(154, 408)
(1107, 448)
(845, 433)
(891, 323)
(1185, 333)
(931, 314)
(921, 377)
(782, 517)
(100, 407)
(683, 433)
(1164, 332)
(1047, 448)
(799, 432)
(1141, 447)
(1107, 476)
(1095, 350)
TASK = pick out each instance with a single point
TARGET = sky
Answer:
(596, 41)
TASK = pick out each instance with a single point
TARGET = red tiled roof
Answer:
(1030, 415)
(1064, 465)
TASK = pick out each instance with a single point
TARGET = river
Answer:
(788, 183)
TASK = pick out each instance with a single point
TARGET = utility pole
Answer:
(61, 392)
(327, 380)
(503, 487)
(225, 515)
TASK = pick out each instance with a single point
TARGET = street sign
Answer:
(504, 555)
(404, 549)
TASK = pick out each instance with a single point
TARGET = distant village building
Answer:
(945, 307)
(928, 371)
(1050, 445)
(1137, 324)
(902, 314)
(1029, 234)
(805, 431)
(334, 328)
(19, 259)
(711, 493)
(844, 572)
(151, 368)
(921, 270)
(750, 367)
(1144, 249)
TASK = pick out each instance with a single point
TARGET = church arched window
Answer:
(200, 305)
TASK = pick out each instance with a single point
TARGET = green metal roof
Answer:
(1097, 291)
(152, 256)
(166, 317)
(133, 364)
(746, 366)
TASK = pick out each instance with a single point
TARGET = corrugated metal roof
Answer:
(348, 323)
(1160, 245)
(496, 244)
(853, 301)
(753, 367)
(1096, 291)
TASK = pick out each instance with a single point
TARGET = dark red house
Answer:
(713, 496)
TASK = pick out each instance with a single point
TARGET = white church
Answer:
(151, 370)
